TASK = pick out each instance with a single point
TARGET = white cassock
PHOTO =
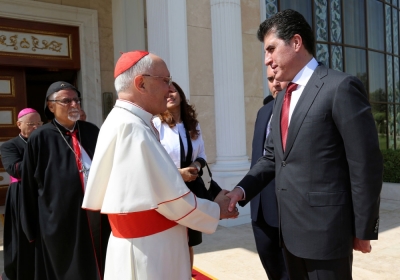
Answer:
(135, 182)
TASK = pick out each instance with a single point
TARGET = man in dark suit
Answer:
(264, 209)
(323, 148)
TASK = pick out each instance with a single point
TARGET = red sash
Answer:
(139, 224)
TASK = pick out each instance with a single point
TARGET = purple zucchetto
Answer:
(26, 111)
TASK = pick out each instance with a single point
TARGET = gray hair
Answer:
(124, 80)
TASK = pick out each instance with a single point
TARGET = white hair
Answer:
(124, 80)
(52, 96)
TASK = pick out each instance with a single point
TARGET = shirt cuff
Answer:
(244, 193)
(198, 166)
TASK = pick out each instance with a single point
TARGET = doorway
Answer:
(26, 87)
(38, 81)
(38, 69)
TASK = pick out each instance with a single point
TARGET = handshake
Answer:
(227, 203)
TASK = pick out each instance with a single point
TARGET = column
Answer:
(128, 26)
(232, 161)
(167, 37)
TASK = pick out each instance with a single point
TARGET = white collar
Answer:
(305, 73)
(137, 110)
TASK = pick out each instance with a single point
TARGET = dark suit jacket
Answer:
(267, 196)
(329, 178)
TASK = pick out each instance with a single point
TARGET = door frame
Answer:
(14, 101)
(89, 80)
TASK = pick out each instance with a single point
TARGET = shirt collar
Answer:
(305, 74)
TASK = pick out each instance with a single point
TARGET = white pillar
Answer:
(167, 37)
(128, 26)
(232, 161)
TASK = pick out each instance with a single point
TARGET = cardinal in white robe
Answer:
(135, 182)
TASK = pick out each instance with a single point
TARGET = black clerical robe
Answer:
(70, 242)
(18, 252)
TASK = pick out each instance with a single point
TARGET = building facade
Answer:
(211, 50)
(360, 37)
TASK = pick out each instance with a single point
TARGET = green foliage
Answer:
(382, 141)
(391, 166)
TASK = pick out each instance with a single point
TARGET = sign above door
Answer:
(36, 44)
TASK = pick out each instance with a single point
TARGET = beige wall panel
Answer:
(206, 116)
(250, 10)
(76, 3)
(104, 12)
(103, 8)
(253, 104)
(51, 1)
(200, 61)
(107, 81)
(106, 49)
(252, 66)
(198, 13)
(201, 70)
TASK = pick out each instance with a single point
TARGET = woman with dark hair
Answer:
(180, 135)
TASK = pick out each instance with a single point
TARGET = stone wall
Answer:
(201, 68)
(103, 8)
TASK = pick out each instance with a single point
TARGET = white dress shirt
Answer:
(169, 138)
(301, 79)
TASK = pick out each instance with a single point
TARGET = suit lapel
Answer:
(306, 99)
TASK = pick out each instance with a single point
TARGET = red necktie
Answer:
(285, 113)
(77, 150)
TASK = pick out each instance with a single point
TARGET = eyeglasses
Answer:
(167, 80)
(67, 101)
(33, 124)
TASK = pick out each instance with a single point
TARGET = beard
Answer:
(74, 114)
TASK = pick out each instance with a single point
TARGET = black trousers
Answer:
(308, 269)
(269, 251)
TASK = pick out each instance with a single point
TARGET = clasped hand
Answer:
(188, 173)
(224, 201)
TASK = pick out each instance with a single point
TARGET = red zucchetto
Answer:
(127, 60)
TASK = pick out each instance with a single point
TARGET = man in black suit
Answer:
(324, 153)
(264, 209)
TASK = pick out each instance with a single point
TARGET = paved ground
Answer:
(230, 253)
